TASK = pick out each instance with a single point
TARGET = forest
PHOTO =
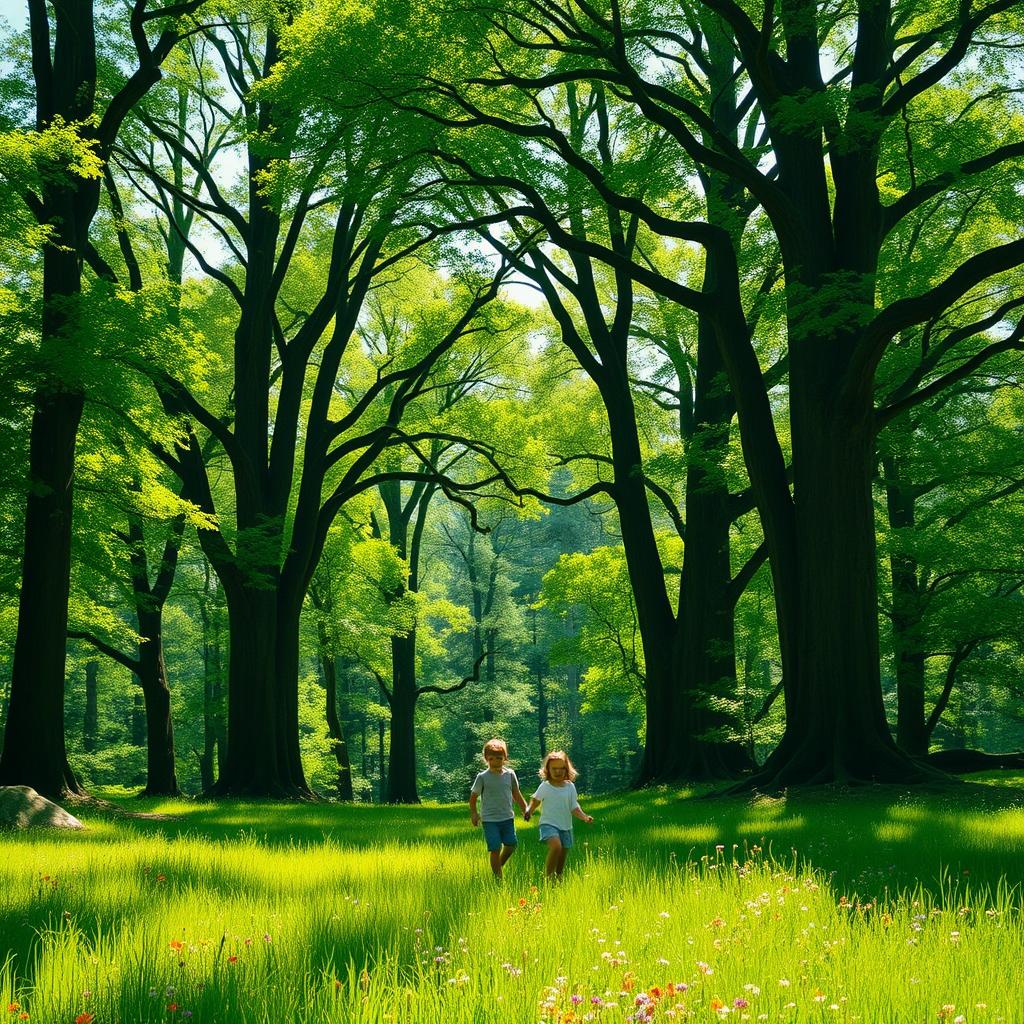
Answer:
(641, 380)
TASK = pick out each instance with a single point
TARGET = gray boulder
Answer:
(23, 807)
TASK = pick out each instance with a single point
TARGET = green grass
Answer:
(870, 906)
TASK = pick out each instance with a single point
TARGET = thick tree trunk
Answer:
(836, 730)
(161, 776)
(289, 611)
(401, 782)
(256, 761)
(704, 638)
(137, 720)
(90, 725)
(34, 751)
(911, 733)
(704, 645)
(646, 576)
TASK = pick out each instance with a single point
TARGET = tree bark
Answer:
(836, 730)
(911, 734)
(161, 774)
(254, 764)
(704, 641)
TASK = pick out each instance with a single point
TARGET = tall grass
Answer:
(271, 913)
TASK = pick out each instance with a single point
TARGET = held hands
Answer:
(526, 815)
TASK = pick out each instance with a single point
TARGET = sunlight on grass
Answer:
(660, 918)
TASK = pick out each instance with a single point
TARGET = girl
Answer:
(558, 795)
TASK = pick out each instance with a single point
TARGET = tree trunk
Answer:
(382, 766)
(34, 751)
(256, 762)
(161, 777)
(836, 729)
(647, 579)
(335, 732)
(90, 726)
(911, 733)
(401, 785)
(137, 720)
(704, 645)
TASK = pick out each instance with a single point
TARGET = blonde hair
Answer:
(497, 745)
(557, 755)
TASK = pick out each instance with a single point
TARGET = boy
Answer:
(498, 788)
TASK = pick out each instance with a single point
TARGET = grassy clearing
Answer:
(893, 908)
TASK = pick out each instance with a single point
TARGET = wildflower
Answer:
(84, 1018)
(719, 847)
(169, 991)
(716, 1004)
(704, 968)
(232, 959)
(754, 990)
(23, 1015)
(664, 913)
(740, 1003)
(172, 1007)
(266, 937)
(576, 999)
(161, 878)
(819, 996)
(152, 993)
(13, 1007)
(175, 944)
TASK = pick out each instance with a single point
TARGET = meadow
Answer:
(871, 906)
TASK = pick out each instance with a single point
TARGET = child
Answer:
(499, 789)
(561, 805)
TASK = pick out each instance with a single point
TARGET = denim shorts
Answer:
(500, 833)
(550, 831)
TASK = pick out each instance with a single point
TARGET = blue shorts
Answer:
(500, 833)
(550, 832)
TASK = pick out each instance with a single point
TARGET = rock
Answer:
(23, 807)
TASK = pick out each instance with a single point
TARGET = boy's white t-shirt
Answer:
(557, 804)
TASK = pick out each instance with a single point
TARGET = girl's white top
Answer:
(557, 804)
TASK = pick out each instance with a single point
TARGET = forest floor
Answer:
(871, 905)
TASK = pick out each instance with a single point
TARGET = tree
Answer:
(817, 172)
(323, 225)
(64, 67)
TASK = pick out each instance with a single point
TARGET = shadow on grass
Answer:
(867, 839)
